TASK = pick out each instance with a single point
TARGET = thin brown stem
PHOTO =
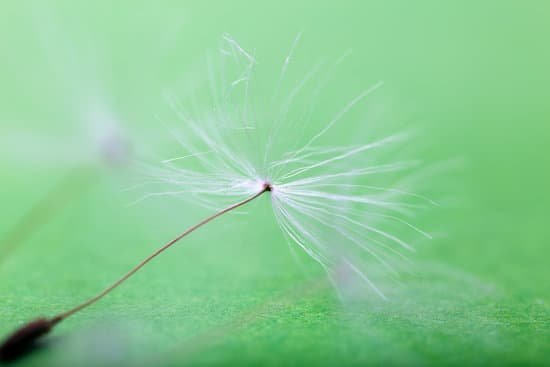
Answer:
(109, 289)
(23, 338)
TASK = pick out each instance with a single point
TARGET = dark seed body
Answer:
(23, 338)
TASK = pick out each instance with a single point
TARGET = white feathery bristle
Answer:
(328, 200)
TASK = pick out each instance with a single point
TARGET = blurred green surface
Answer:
(472, 77)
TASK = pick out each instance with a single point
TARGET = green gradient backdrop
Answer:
(472, 76)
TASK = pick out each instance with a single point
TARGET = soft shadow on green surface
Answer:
(472, 78)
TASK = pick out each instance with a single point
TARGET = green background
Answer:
(471, 76)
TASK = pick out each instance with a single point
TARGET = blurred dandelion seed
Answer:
(100, 141)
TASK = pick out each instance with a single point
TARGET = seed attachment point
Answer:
(267, 186)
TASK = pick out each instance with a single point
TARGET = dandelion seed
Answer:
(100, 141)
(319, 194)
(325, 198)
